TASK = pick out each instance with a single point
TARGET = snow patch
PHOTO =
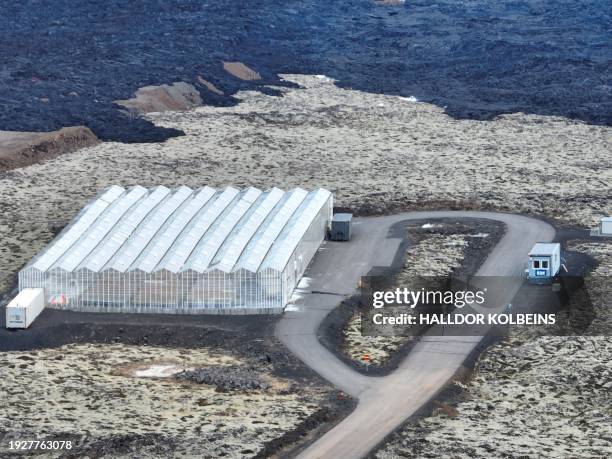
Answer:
(159, 371)
(324, 78)
(304, 283)
(292, 308)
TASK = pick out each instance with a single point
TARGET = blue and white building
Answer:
(544, 261)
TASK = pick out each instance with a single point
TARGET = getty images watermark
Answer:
(459, 299)
(473, 307)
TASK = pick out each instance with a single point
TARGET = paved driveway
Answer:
(386, 402)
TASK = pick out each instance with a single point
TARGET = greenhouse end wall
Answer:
(305, 251)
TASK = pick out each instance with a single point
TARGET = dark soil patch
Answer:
(225, 378)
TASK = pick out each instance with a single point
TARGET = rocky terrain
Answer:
(399, 154)
(66, 63)
(485, 105)
(228, 361)
(529, 396)
(548, 397)
(118, 399)
(225, 378)
(377, 348)
(598, 283)
(376, 153)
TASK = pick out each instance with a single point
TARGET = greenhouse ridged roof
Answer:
(183, 229)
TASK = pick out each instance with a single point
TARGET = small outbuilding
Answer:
(341, 227)
(544, 261)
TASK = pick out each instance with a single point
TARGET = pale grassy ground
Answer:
(378, 348)
(435, 255)
(599, 283)
(89, 389)
(373, 151)
(540, 397)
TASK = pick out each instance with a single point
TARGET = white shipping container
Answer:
(606, 225)
(25, 307)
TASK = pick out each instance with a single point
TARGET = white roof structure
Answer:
(183, 229)
(543, 249)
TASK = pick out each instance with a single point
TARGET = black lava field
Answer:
(63, 62)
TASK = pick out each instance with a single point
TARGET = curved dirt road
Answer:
(386, 402)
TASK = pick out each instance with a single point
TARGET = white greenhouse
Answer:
(183, 251)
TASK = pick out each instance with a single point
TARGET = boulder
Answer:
(175, 97)
(241, 71)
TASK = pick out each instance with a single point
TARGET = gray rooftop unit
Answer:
(341, 227)
(183, 250)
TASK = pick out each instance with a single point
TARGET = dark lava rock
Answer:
(25, 357)
(225, 378)
(130, 444)
(65, 62)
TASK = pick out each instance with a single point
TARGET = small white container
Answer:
(25, 308)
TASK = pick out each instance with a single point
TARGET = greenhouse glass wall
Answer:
(183, 251)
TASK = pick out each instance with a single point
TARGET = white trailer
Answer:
(25, 307)
(544, 261)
